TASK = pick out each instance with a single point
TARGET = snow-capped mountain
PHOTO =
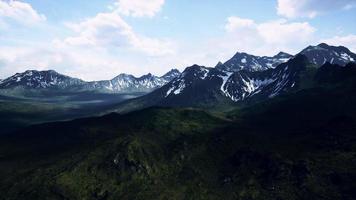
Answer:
(123, 83)
(323, 53)
(32, 79)
(199, 85)
(243, 85)
(244, 61)
(245, 78)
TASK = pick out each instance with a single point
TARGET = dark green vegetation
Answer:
(32, 107)
(301, 145)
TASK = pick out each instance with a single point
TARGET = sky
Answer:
(99, 39)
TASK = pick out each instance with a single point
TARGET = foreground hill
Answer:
(300, 145)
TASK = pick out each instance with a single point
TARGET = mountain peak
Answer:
(244, 61)
(219, 64)
(323, 45)
(148, 75)
(174, 70)
(124, 75)
(39, 71)
(173, 73)
(323, 53)
(237, 54)
(282, 54)
(194, 67)
(34, 79)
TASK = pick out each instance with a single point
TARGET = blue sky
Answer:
(99, 39)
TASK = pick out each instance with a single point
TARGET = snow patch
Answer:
(252, 85)
(180, 88)
(283, 60)
(205, 71)
(170, 91)
(176, 89)
(347, 57)
(225, 79)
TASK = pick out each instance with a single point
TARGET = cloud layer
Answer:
(311, 8)
(20, 12)
(139, 8)
(267, 37)
(109, 30)
(106, 44)
(347, 41)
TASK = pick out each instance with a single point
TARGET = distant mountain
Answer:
(128, 83)
(123, 83)
(323, 53)
(247, 62)
(32, 79)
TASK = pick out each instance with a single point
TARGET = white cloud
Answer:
(99, 47)
(235, 23)
(268, 37)
(284, 33)
(105, 45)
(311, 8)
(3, 25)
(139, 8)
(348, 41)
(88, 64)
(20, 12)
(103, 29)
(109, 30)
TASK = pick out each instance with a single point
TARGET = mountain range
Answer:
(244, 61)
(123, 83)
(200, 86)
(243, 78)
(239, 78)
